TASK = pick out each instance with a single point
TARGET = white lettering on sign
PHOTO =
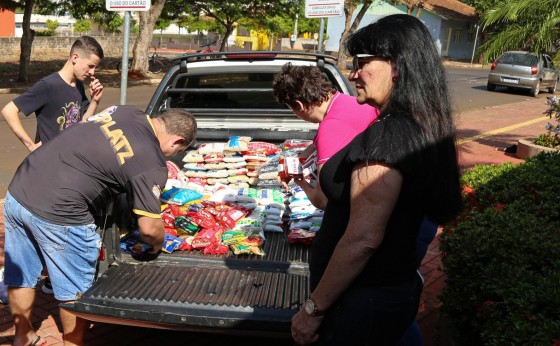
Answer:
(127, 5)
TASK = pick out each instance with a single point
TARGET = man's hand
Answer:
(34, 146)
(95, 89)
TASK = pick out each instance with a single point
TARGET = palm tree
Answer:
(532, 25)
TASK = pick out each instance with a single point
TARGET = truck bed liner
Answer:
(188, 290)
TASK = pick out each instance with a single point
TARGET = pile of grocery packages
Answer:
(227, 195)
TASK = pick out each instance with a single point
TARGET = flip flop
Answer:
(39, 342)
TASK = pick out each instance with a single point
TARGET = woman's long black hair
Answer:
(421, 92)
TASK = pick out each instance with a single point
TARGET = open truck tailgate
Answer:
(191, 291)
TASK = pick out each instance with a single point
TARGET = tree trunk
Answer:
(349, 28)
(229, 30)
(147, 21)
(26, 42)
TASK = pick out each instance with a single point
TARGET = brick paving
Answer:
(489, 131)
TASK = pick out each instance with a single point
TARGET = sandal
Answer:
(39, 342)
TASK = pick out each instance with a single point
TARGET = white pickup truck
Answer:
(229, 94)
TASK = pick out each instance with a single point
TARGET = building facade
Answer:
(453, 25)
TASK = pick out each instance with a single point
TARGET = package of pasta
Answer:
(171, 243)
(180, 196)
(186, 225)
(261, 148)
(131, 244)
(241, 249)
(208, 236)
(296, 143)
(238, 143)
(168, 219)
(230, 217)
(186, 245)
(216, 249)
(202, 218)
(233, 236)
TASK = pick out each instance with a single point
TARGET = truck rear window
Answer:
(226, 90)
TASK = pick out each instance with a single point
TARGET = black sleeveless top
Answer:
(394, 140)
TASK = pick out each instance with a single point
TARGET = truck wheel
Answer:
(552, 89)
(535, 90)
(490, 87)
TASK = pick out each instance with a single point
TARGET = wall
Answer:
(46, 48)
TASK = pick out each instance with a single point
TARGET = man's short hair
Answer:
(88, 45)
(179, 122)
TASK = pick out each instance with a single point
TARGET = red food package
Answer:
(172, 170)
(216, 249)
(202, 218)
(177, 210)
(170, 231)
(301, 236)
(229, 218)
(186, 245)
(168, 220)
(213, 158)
(261, 148)
(207, 237)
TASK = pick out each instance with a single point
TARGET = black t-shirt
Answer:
(71, 178)
(57, 105)
(393, 140)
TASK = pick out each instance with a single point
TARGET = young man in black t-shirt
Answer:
(59, 100)
(56, 191)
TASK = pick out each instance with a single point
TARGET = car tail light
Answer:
(494, 64)
(534, 69)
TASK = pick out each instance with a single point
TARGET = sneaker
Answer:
(47, 287)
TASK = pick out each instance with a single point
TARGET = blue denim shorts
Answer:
(69, 253)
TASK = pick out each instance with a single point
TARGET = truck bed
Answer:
(188, 290)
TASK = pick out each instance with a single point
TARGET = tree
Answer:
(162, 24)
(27, 37)
(227, 13)
(147, 21)
(412, 4)
(52, 24)
(350, 26)
(82, 25)
(532, 25)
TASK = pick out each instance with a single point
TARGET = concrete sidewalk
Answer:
(489, 131)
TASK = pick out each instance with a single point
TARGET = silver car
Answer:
(524, 70)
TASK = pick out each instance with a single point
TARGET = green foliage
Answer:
(44, 32)
(532, 25)
(482, 6)
(162, 23)
(52, 24)
(502, 257)
(82, 25)
(551, 138)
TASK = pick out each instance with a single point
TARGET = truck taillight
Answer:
(494, 64)
(534, 70)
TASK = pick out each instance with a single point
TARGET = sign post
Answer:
(322, 9)
(126, 6)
